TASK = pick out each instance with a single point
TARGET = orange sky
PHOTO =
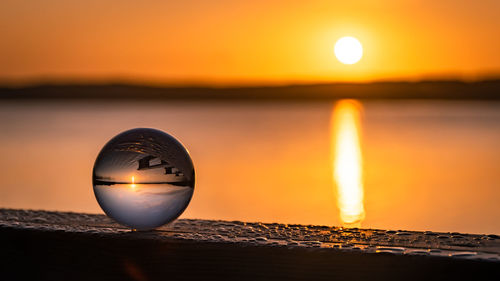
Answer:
(231, 42)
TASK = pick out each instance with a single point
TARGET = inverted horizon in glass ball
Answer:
(143, 178)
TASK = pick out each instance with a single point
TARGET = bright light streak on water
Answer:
(347, 161)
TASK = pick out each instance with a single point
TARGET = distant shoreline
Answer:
(446, 90)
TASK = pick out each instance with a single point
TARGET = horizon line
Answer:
(30, 83)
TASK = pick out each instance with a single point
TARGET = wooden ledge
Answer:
(71, 246)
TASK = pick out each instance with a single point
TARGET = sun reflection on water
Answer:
(347, 161)
(132, 185)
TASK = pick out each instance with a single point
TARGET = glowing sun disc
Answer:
(348, 50)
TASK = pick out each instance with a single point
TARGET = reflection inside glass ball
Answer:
(143, 178)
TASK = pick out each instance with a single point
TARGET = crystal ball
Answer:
(143, 178)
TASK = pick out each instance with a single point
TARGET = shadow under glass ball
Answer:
(143, 178)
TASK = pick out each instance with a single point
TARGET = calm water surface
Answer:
(426, 164)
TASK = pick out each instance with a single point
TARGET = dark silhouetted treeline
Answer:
(482, 90)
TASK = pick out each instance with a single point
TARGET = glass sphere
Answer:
(143, 178)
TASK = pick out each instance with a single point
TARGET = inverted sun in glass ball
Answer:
(143, 178)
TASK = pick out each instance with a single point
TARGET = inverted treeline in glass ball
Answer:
(143, 178)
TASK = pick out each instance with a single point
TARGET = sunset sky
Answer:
(246, 42)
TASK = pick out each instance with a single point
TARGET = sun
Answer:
(348, 50)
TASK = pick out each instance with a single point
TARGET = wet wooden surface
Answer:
(71, 246)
